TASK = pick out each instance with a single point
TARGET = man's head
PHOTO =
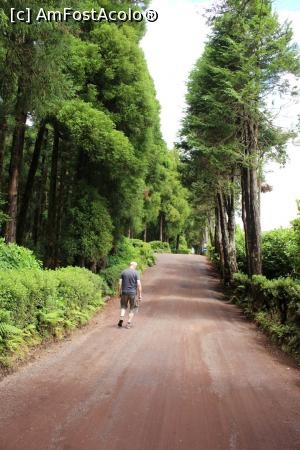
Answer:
(133, 265)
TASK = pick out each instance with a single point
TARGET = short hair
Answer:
(133, 263)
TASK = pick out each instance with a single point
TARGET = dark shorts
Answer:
(128, 299)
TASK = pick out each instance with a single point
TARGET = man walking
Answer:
(129, 287)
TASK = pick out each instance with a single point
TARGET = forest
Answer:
(88, 183)
(82, 159)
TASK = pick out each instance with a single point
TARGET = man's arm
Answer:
(139, 289)
(120, 287)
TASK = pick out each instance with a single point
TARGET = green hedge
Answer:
(111, 275)
(183, 250)
(240, 249)
(36, 305)
(279, 252)
(160, 247)
(274, 305)
(13, 256)
(128, 250)
(145, 254)
(296, 228)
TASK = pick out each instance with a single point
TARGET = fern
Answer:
(52, 318)
(7, 331)
(11, 339)
(36, 305)
(16, 344)
(70, 324)
(4, 316)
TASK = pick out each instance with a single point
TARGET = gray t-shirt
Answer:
(129, 281)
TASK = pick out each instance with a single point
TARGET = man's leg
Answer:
(130, 316)
(122, 315)
(124, 300)
(131, 311)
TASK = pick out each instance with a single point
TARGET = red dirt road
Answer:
(191, 375)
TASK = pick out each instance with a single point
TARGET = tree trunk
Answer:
(218, 240)
(251, 199)
(52, 208)
(3, 129)
(245, 228)
(227, 274)
(30, 181)
(15, 167)
(60, 201)
(145, 233)
(93, 267)
(230, 208)
(210, 228)
(40, 201)
(161, 227)
(177, 243)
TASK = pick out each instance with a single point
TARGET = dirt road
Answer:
(191, 375)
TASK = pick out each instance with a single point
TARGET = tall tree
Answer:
(35, 69)
(247, 57)
(254, 53)
(40, 138)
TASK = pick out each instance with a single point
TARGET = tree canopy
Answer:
(82, 159)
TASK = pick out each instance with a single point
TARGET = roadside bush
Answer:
(128, 250)
(145, 253)
(160, 247)
(132, 250)
(273, 304)
(284, 334)
(36, 305)
(240, 249)
(278, 253)
(296, 228)
(214, 257)
(13, 256)
(23, 291)
(111, 275)
(183, 247)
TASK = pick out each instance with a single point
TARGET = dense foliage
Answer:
(82, 159)
(160, 247)
(273, 300)
(296, 226)
(13, 256)
(274, 304)
(279, 252)
(36, 305)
